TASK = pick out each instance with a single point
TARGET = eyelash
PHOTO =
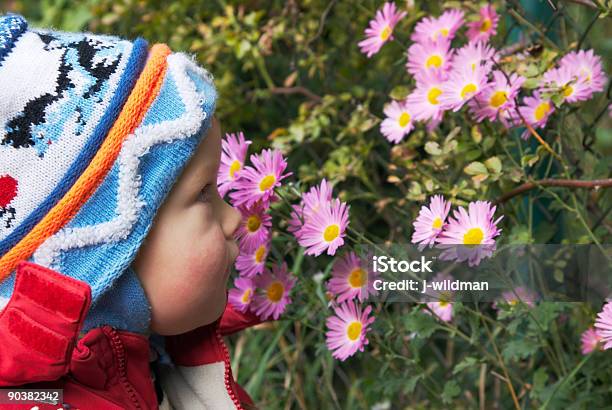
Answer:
(205, 194)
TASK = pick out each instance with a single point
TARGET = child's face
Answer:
(185, 260)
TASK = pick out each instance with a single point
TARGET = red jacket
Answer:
(106, 368)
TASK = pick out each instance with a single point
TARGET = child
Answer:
(115, 246)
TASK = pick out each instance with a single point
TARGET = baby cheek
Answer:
(206, 264)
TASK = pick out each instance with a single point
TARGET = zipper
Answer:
(119, 352)
(228, 378)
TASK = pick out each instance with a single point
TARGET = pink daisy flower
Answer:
(474, 230)
(497, 98)
(325, 229)
(251, 263)
(475, 54)
(254, 228)
(442, 309)
(272, 297)
(347, 330)
(257, 183)
(536, 111)
(589, 340)
(587, 66)
(351, 279)
(241, 296)
(318, 196)
(441, 306)
(429, 57)
(430, 222)
(516, 296)
(461, 86)
(424, 101)
(566, 81)
(485, 27)
(234, 150)
(398, 122)
(381, 29)
(434, 29)
(312, 201)
(603, 324)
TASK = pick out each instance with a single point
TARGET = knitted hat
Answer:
(94, 131)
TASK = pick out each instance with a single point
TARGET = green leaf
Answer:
(494, 165)
(540, 377)
(410, 384)
(420, 323)
(451, 390)
(519, 349)
(531, 83)
(557, 100)
(399, 92)
(476, 134)
(464, 364)
(472, 154)
(488, 143)
(475, 168)
(529, 159)
(433, 148)
(545, 313)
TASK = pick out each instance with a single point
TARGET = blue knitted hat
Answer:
(94, 131)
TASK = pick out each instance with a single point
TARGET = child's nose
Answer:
(231, 220)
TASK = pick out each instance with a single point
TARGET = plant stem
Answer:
(567, 183)
(566, 379)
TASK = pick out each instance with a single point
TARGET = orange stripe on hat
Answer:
(142, 96)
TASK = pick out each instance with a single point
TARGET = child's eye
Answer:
(205, 194)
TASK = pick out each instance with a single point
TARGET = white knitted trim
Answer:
(134, 147)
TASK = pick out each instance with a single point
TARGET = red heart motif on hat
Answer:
(8, 190)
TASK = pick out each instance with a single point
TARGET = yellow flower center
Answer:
(260, 253)
(235, 167)
(437, 223)
(586, 73)
(246, 296)
(434, 61)
(275, 291)
(357, 278)
(498, 99)
(473, 236)
(267, 182)
(253, 223)
(353, 331)
(486, 25)
(513, 302)
(331, 232)
(404, 119)
(468, 89)
(433, 94)
(386, 33)
(541, 110)
(568, 90)
(443, 32)
(443, 303)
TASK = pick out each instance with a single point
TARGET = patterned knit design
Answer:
(93, 232)
(59, 95)
(140, 99)
(11, 27)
